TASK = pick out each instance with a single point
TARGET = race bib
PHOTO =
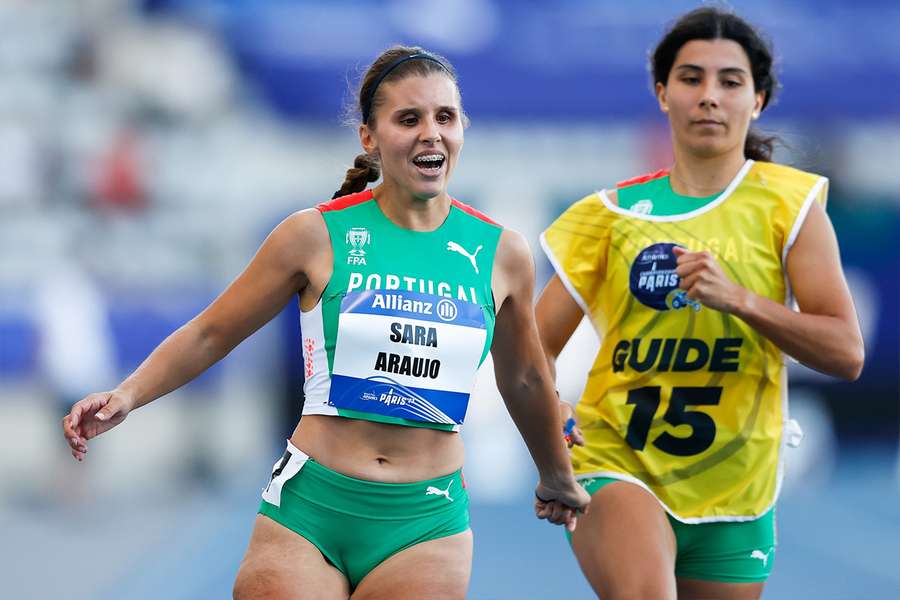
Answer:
(406, 354)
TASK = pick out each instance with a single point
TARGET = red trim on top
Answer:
(643, 178)
(345, 201)
(366, 195)
(474, 212)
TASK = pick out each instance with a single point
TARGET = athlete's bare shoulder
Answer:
(512, 250)
(513, 266)
(300, 243)
(303, 231)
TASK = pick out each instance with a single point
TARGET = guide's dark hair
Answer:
(713, 23)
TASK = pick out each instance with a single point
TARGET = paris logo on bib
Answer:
(654, 282)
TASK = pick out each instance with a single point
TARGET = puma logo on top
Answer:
(454, 247)
(439, 492)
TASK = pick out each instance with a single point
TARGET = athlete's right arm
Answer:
(525, 384)
(296, 248)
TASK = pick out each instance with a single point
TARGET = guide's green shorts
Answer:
(357, 524)
(732, 552)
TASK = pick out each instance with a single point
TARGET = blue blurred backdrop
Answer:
(147, 147)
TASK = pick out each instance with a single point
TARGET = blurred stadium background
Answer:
(148, 146)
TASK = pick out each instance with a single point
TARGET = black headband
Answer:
(367, 104)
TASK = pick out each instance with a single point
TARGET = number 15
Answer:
(703, 429)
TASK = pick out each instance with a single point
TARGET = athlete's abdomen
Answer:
(378, 451)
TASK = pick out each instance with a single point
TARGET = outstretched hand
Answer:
(561, 505)
(91, 416)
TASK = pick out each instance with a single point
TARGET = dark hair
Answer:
(711, 23)
(392, 65)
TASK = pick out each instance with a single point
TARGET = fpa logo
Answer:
(358, 238)
(447, 310)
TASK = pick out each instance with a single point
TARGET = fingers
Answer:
(556, 512)
(79, 454)
(688, 283)
(688, 269)
(111, 408)
(577, 437)
(689, 258)
(76, 445)
(694, 265)
(700, 284)
(705, 268)
(80, 424)
(683, 255)
(68, 430)
(681, 251)
(98, 407)
(74, 415)
(560, 514)
(87, 406)
(98, 404)
(543, 509)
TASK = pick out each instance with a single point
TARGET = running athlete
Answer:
(689, 276)
(403, 290)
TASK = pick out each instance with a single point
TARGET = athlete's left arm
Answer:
(825, 334)
(524, 381)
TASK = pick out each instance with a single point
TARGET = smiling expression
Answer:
(710, 97)
(417, 132)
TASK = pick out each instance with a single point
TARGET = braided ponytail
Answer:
(365, 170)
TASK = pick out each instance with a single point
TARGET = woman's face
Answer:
(710, 97)
(418, 134)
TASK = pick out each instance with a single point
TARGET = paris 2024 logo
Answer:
(654, 282)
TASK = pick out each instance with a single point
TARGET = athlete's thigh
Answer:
(282, 565)
(625, 545)
(433, 570)
(696, 589)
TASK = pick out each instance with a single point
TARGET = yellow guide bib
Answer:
(682, 399)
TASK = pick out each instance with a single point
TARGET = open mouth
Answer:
(429, 164)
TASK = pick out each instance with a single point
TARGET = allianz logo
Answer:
(445, 308)
(398, 302)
